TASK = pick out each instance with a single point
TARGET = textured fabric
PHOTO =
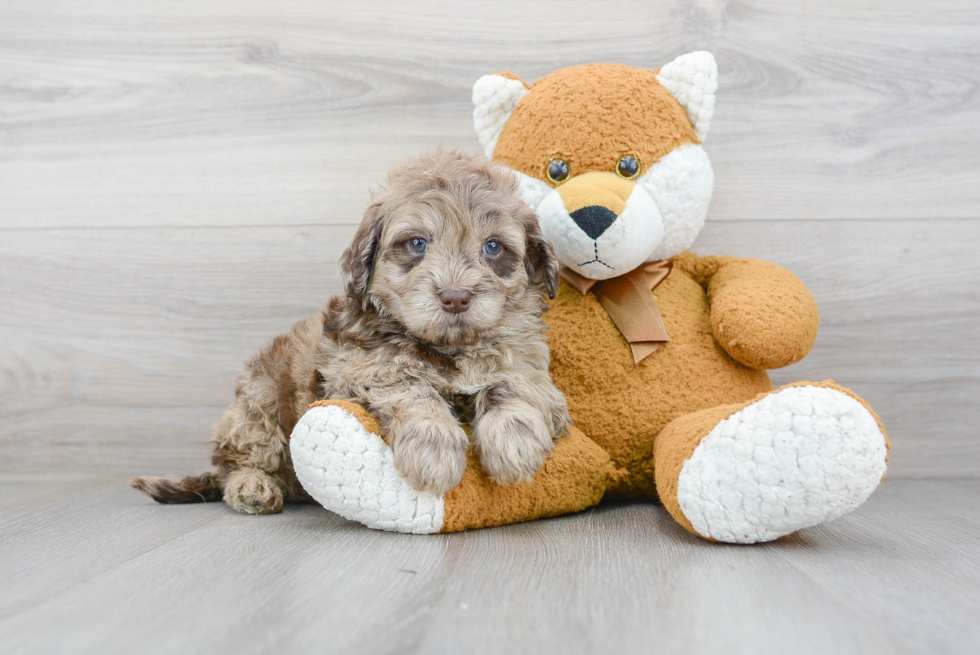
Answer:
(696, 419)
(494, 98)
(623, 406)
(367, 419)
(680, 185)
(761, 314)
(629, 301)
(785, 460)
(590, 116)
(623, 244)
(349, 470)
(574, 478)
(688, 387)
(693, 80)
(664, 213)
(596, 189)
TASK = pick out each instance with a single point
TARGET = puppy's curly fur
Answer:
(444, 222)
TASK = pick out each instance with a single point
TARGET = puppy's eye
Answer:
(628, 166)
(558, 171)
(418, 245)
(492, 248)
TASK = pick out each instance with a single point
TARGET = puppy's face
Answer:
(450, 251)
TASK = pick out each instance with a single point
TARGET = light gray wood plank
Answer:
(121, 337)
(930, 605)
(116, 573)
(24, 494)
(58, 542)
(899, 317)
(237, 113)
(930, 498)
(120, 347)
(626, 579)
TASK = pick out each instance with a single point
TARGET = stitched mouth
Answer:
(596, 260)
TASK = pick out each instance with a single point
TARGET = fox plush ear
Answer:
(494, 99)
(693, 80)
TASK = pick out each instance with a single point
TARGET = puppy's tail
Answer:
(170, 489)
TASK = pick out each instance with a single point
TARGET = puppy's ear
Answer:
(540, 260)
(357, 262)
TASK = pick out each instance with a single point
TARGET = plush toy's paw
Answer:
(350, 471)
(795, 458)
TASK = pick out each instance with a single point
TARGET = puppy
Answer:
(440, 320)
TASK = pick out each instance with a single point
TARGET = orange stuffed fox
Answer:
(662, 354)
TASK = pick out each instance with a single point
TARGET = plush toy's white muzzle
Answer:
(597, 243)
(663, 215)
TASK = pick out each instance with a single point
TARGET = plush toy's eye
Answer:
(418, 245)
(628, 167)
(558, 171)
(491, 248)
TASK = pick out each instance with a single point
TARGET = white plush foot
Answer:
(349, 471)
(796, 458)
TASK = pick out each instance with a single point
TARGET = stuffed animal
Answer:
(661, 353)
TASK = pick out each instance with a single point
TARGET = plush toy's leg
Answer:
(344, 464)
(789, 459)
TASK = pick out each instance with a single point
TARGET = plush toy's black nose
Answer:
(455, 301)
(594, 220)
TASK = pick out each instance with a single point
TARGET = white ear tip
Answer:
(700, 63)
(703, 59)
(693, 80)
(494, 100)
(483, 89)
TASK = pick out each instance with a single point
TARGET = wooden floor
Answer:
(178, 180)
(90, 566)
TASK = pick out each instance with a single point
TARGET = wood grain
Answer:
(256, 113)
(177, 181)
(120, 347)
(94, 567)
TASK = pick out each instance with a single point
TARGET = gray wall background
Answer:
(178, 180)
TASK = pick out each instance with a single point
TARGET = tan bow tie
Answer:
(629, 301)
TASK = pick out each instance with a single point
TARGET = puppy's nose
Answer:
(455, 301)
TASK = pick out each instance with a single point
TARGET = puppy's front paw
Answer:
(560, 419)
(513, 443)
(430, 455)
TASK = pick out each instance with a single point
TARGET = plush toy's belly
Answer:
(622, 406)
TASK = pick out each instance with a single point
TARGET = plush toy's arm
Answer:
(342, 462)
(761, 314)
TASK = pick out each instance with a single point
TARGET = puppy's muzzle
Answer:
(455, 301)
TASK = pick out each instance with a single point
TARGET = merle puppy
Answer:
(443, 295)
